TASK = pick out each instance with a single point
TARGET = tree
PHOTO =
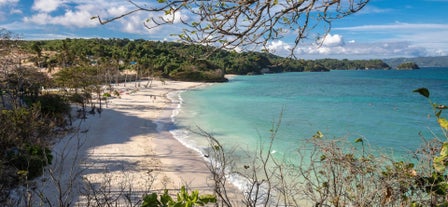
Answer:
(245, 24)
(408, 66)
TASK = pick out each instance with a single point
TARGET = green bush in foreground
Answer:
(184, 199)
(436, 185)
(29, 160)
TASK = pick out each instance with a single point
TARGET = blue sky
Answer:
(383, 29)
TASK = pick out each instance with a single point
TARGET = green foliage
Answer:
(318, 135)
(184, 199)
(53, 104)
(29, 160)
(24, 130)
(436, 185)
(422, 91)
(408, 66)
(78, 77)
(23, 139)
(174, 60)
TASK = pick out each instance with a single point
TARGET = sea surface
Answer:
(377, 105)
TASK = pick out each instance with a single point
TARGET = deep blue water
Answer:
(377, 105)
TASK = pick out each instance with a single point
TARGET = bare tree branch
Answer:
(245, 24)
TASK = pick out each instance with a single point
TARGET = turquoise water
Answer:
(376, 105)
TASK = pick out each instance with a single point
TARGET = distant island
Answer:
(408, 66)
(439, 61)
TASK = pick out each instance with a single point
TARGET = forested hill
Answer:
(175, 60)
(440, 61)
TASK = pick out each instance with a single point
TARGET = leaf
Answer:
(168, 12)
(443, 123)
(165, 198)
(323, 157)
(439, 164)
(150, 201)
(208, 198)
(92, 18)
(318, 135)
(422, 91)
(359, 140)
(438, 113)
(444, 150)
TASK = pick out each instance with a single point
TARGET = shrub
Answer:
(184, 199)
(53, 104)
(29, 160)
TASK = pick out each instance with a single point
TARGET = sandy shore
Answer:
(126, 148)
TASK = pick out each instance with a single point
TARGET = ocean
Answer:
(376, 105)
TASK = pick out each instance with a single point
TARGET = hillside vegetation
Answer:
(175, 60)
(408, 66)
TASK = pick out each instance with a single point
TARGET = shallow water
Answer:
(377, 105)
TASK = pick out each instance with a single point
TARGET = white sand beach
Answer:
(126, 148)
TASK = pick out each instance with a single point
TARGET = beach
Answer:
(126, 148)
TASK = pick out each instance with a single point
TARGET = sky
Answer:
(382, 29)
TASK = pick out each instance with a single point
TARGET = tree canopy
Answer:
(175, 60)
(408, 66)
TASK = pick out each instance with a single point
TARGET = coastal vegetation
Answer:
(408, 66)
(172, 60)
(28, 119)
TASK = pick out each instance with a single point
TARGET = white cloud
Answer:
(41, 18)
(396, 26)
(431, 37)
(46, 5)
(70, 18)
(78, 13)
(117, 10)
(369, 9)
(8, 2)
(11, 6)
(334, 46)
(364, 50)
(15, 11)
(278, 47)
(176, 17)
(333, 40)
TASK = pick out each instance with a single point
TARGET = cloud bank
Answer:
(79, 13)
(334, 46)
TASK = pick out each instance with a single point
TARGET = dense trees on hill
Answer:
(408, 66)
(175, 60)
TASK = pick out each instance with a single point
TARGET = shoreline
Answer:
(127, 147)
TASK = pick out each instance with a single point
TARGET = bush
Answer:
(184, 199)
(29, 160)
(53, 104)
